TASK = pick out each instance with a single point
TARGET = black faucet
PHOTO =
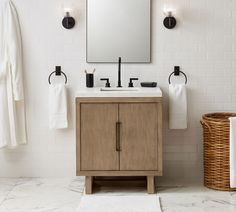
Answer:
(119, 73)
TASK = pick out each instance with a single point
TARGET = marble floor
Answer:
(63, 195)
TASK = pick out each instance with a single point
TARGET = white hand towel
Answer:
(232, 152)
(177, 106)
(57, 106)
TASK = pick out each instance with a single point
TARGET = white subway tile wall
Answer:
(203, 44)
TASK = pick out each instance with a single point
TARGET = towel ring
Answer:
(58, 72)
(177, 72)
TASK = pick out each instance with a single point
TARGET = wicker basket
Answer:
(216, 150)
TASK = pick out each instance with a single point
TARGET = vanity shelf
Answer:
(119, 136)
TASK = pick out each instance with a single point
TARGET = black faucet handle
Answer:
(131, 84)
(108, 85)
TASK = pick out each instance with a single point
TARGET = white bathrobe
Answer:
(12, 113)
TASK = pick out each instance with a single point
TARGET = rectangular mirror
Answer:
(118, 28)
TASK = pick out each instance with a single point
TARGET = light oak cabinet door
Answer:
(98, 137)
(138, 136)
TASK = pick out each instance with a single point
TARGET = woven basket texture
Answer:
(216, 150)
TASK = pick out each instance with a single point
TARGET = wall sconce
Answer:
(68, 22)
(169, 21)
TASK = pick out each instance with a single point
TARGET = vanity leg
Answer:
(150, 184)
(88, 185)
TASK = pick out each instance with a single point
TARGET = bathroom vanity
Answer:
(119, 133)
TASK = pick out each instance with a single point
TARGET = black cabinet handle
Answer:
(118, 146)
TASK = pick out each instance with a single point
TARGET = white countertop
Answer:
(141, 92)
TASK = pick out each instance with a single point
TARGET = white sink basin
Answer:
(119, 89)
(119, 92)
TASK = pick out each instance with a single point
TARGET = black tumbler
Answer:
(89, 80)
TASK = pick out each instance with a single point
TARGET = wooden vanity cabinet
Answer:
(119, 137)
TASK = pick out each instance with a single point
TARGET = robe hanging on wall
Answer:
(12, 112)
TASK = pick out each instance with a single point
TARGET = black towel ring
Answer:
(177, 72)
(58, 72)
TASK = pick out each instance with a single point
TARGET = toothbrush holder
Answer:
(89, 80)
